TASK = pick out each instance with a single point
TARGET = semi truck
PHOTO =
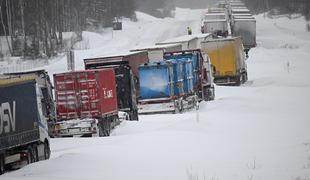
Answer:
(227, 59)
(26, 104)
(86, 103)
(245, 26)
(127, 77)
(176, 83)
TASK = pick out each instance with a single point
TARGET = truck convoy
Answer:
(126, 75)
(26, 104)
(228, 60)
(86, 103)
(176, 83)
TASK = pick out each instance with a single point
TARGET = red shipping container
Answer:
(85, 94)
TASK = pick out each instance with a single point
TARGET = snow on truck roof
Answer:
(156, 47)
(179, 39)
(214, 13)
(215, 20)
(116, 55)
(184, 38)
(240, 10)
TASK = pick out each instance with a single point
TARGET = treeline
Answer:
(280, 6)
(34, 28)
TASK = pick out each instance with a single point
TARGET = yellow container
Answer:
(227, 58)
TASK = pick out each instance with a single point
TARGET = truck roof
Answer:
(241, 14)
(179, 39)
(241, 18)
(238, 10)
(214, 13)
(221, 39)
(215, 20)
(81, 71)
(157, 47)
(17, 77)
(118, 56)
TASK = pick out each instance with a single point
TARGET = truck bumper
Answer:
(160, 107)
(77, 127)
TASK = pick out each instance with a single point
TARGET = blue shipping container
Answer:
(188, 75)
(195, 63)
(178, 67)
(156, 80)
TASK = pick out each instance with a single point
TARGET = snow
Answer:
(259, 131)
(179, 39)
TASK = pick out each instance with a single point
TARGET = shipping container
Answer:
(23, 113)
(81, 95)
(156, 80)
(228, 60)
(201, 79)
(188, 73)
(178, 76)
(161, 82)
(127, 77)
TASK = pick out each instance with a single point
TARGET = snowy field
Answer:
(259, 131)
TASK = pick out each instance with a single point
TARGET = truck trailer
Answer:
(245, 26)
(176, 83)
(127, 77)
(25, 107)
(86, 103)
(227, 59)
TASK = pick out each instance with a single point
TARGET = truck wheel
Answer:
(238, 80)
(181, 107)
(101, 134)
(134, 115)
(29, 155)
(47, 151)
(2, 169)
(246, 77)
(206, 94)
(212, 94)
(35, 154)
(108, 128)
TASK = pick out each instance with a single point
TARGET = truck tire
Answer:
(105, 127)
(238, 80)
(206, 94)
(2, 165)
(35, 154)
(212, 94)
(134, 115)
(29, 155)
(47, 151)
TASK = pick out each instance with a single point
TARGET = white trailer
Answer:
(187, 41)
(246, 28)
(156, 52)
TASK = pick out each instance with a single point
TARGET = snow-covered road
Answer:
(259, 131)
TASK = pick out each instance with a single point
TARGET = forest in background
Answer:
(34, 28)
(278, 7)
